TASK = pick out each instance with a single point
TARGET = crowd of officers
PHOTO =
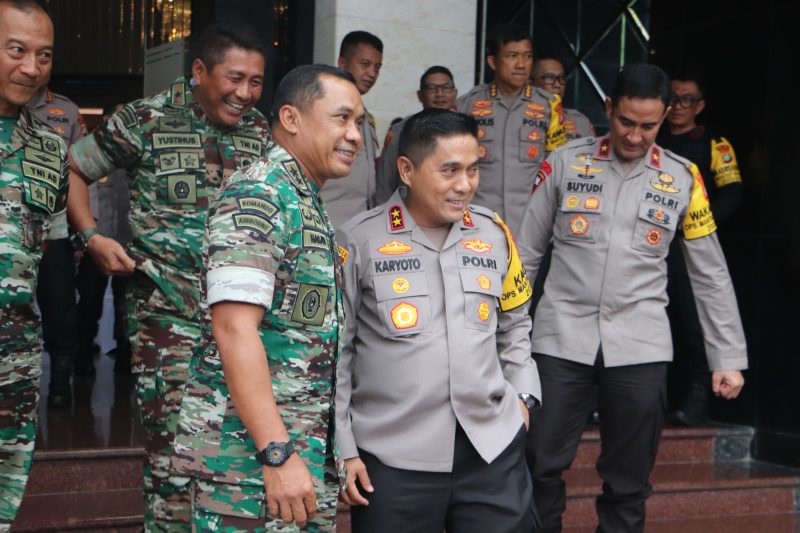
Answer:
(310, 323)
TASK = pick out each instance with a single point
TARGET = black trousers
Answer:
(631, 403)
(91, 284)
(55, 295)
(475, 497)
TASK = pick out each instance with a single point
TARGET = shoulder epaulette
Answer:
(481, 210)
(361, 217)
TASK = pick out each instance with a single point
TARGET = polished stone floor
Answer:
(103, 412)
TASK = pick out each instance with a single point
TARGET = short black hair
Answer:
(219, 37)
(302, 86)
(27, 5)
(503, 34)
(422, 131)
(537, 59)
(640, 80)
(354, 38)
(694, 78)
(436, 69)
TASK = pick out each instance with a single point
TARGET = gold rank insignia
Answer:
(528, 90)
(343, 254)
(484, 282)
(535, 106)
(655, 157)
(482, 103)
(493, 90)
(56, 111)
(467, 219)
(604, 148)
(404, 315)
(395, 248)
(664, 183)
(476, 245)
(534, 136)
(534, 114)
(400, 285)
(396, 219)
(484, 312)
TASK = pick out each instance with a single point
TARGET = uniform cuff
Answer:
(58, 227)
(90, 159)
(240, 284)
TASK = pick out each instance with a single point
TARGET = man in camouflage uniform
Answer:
(262, 387)
(518, 124)
(548, 74)
(55, 293)
(33, 188)
(178, 148)
(436, 91)
(360, 54)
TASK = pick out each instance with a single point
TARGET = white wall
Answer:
(415, 33)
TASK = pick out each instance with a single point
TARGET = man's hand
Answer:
(110, 257)
(727, 384)
(356, 470)
(526, 415)
(290, 491)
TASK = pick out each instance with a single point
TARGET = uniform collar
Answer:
(399, 220)
(23, 131)
(181, 93)
(526, 93)
(291, 170)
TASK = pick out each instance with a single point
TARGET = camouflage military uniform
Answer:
(269, 243)
(33, 190)
(176, 160)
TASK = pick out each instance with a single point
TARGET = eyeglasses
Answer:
(686, 100)
(551, 79)
(446, 88)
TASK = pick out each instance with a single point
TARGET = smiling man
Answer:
(33, 189)
(178, 147)
(517, 124)
(258, 403)
(360, 54)
(612, 206)
(435, 381)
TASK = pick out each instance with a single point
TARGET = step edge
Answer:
(89, 453)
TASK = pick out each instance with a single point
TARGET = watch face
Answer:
(275, 454)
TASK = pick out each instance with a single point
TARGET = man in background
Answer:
(548, 74)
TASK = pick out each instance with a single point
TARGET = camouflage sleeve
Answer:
(116, 143)
(57, 227)
(247, 238)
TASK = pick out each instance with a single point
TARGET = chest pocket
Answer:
(579, 217)
(486, 143)
(180, 170)
(654, 229)
(310, 295)
(403, 303)
(531, 144)
(481, 291)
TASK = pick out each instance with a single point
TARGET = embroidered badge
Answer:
(578, 225)
(476, 245)
(395, 248)
(483, 311)
(664, 183)
(467, 219)
(396, 219)
(572, 201)
(404, 315)
(592, 202)
(484, 282)
(653, 237)
(400, 285)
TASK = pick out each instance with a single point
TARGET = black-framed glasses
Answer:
(686, 100)
(446, 88)
(551, 79)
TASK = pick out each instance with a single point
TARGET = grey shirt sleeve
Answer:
(715, 299)
(537, 221)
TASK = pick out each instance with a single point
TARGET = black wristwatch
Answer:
(530, 402)
(275, 454)
(82, 238)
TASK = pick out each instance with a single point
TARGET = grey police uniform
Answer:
(432, 363)
(354, 194)
(577, 125)
(513, 143)
(413, 367)
(388, 178)
(602, 318)
(60, 114)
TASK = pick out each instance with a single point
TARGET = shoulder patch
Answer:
(517, 289)
(699, 221)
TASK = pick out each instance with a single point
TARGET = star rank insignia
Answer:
(603, 149)
(396, 219)
(467, 219)
(655, 157)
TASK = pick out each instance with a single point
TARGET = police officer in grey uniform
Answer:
(360, 54)
(436, 90)
(518, 124)
(612, 206)
(548, 74)
(55, 293)
(435, 379)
